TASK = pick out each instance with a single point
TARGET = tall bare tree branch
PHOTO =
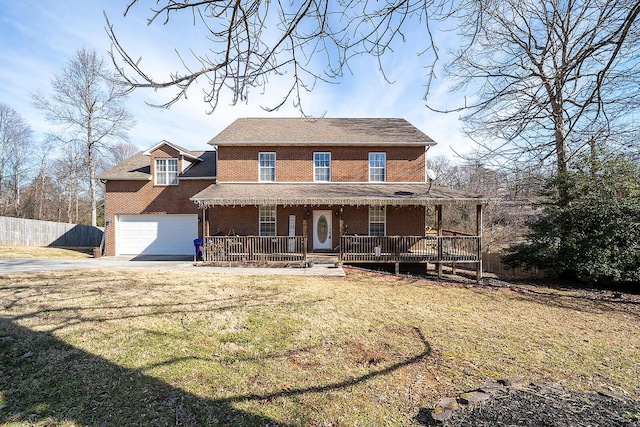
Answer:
(551, 77)
(15, 141)
(253, 41)
(89, 109)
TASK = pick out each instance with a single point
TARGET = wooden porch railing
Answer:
(410, 249)
(255, 249)
(353, 249)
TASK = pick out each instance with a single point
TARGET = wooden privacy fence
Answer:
(31, 232)
(492, 263)
(255, 249)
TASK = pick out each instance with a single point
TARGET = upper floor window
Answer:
(377, 220)
(267, 220)
(322, 167)
(166, 171)
(377, 167)
(267, 167)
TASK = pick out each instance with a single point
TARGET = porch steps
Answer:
(323, 258)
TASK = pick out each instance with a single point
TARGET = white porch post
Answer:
(204, 222)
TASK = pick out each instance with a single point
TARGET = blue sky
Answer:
(37, 38)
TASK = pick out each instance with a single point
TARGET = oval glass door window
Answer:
(323, 229)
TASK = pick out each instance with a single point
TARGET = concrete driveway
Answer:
(25, 265)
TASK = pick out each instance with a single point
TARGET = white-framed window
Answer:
(322, 167)
(377, 167)
(377, 221)
(267, 220)
(267, 167)
(166, 172)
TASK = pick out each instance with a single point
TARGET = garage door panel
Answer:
(156, 234)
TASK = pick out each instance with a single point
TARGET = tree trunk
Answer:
(92, 191)
(560, 135)
(70, 204)
(16, 199)
(2, 196)
(77, 200)
(40, 194)
(561, 146)
(92, 171)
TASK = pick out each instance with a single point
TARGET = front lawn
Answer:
(170, 348)
(18, 251)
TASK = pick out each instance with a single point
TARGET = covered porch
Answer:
(360, 223)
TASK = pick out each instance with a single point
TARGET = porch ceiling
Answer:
(347, 194)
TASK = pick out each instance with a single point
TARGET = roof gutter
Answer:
(321, 143)
(257, 201)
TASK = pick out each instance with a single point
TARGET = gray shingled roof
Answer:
(204, 169)
(332, 194)
(138, 167)
(325, 131)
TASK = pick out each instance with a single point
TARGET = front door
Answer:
(322, 230)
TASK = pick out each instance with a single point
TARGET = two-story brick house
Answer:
(357, 187)
(277, 172)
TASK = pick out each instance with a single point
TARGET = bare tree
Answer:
(69, 172)
(89, 106)
(20, 164)
(551, 78)
(15, 139)
(546, 78)
(120, 151)
(512, 194)
(39, 183)
(251, 41)
(36, 204)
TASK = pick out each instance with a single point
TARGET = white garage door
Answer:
(156, 234)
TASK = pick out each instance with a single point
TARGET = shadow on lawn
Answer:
(46, 381)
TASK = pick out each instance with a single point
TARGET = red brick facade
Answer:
(295, 164)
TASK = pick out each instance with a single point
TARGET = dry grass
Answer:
(15, 251)
(167, 348)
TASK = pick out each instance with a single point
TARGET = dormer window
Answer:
(166, 172)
